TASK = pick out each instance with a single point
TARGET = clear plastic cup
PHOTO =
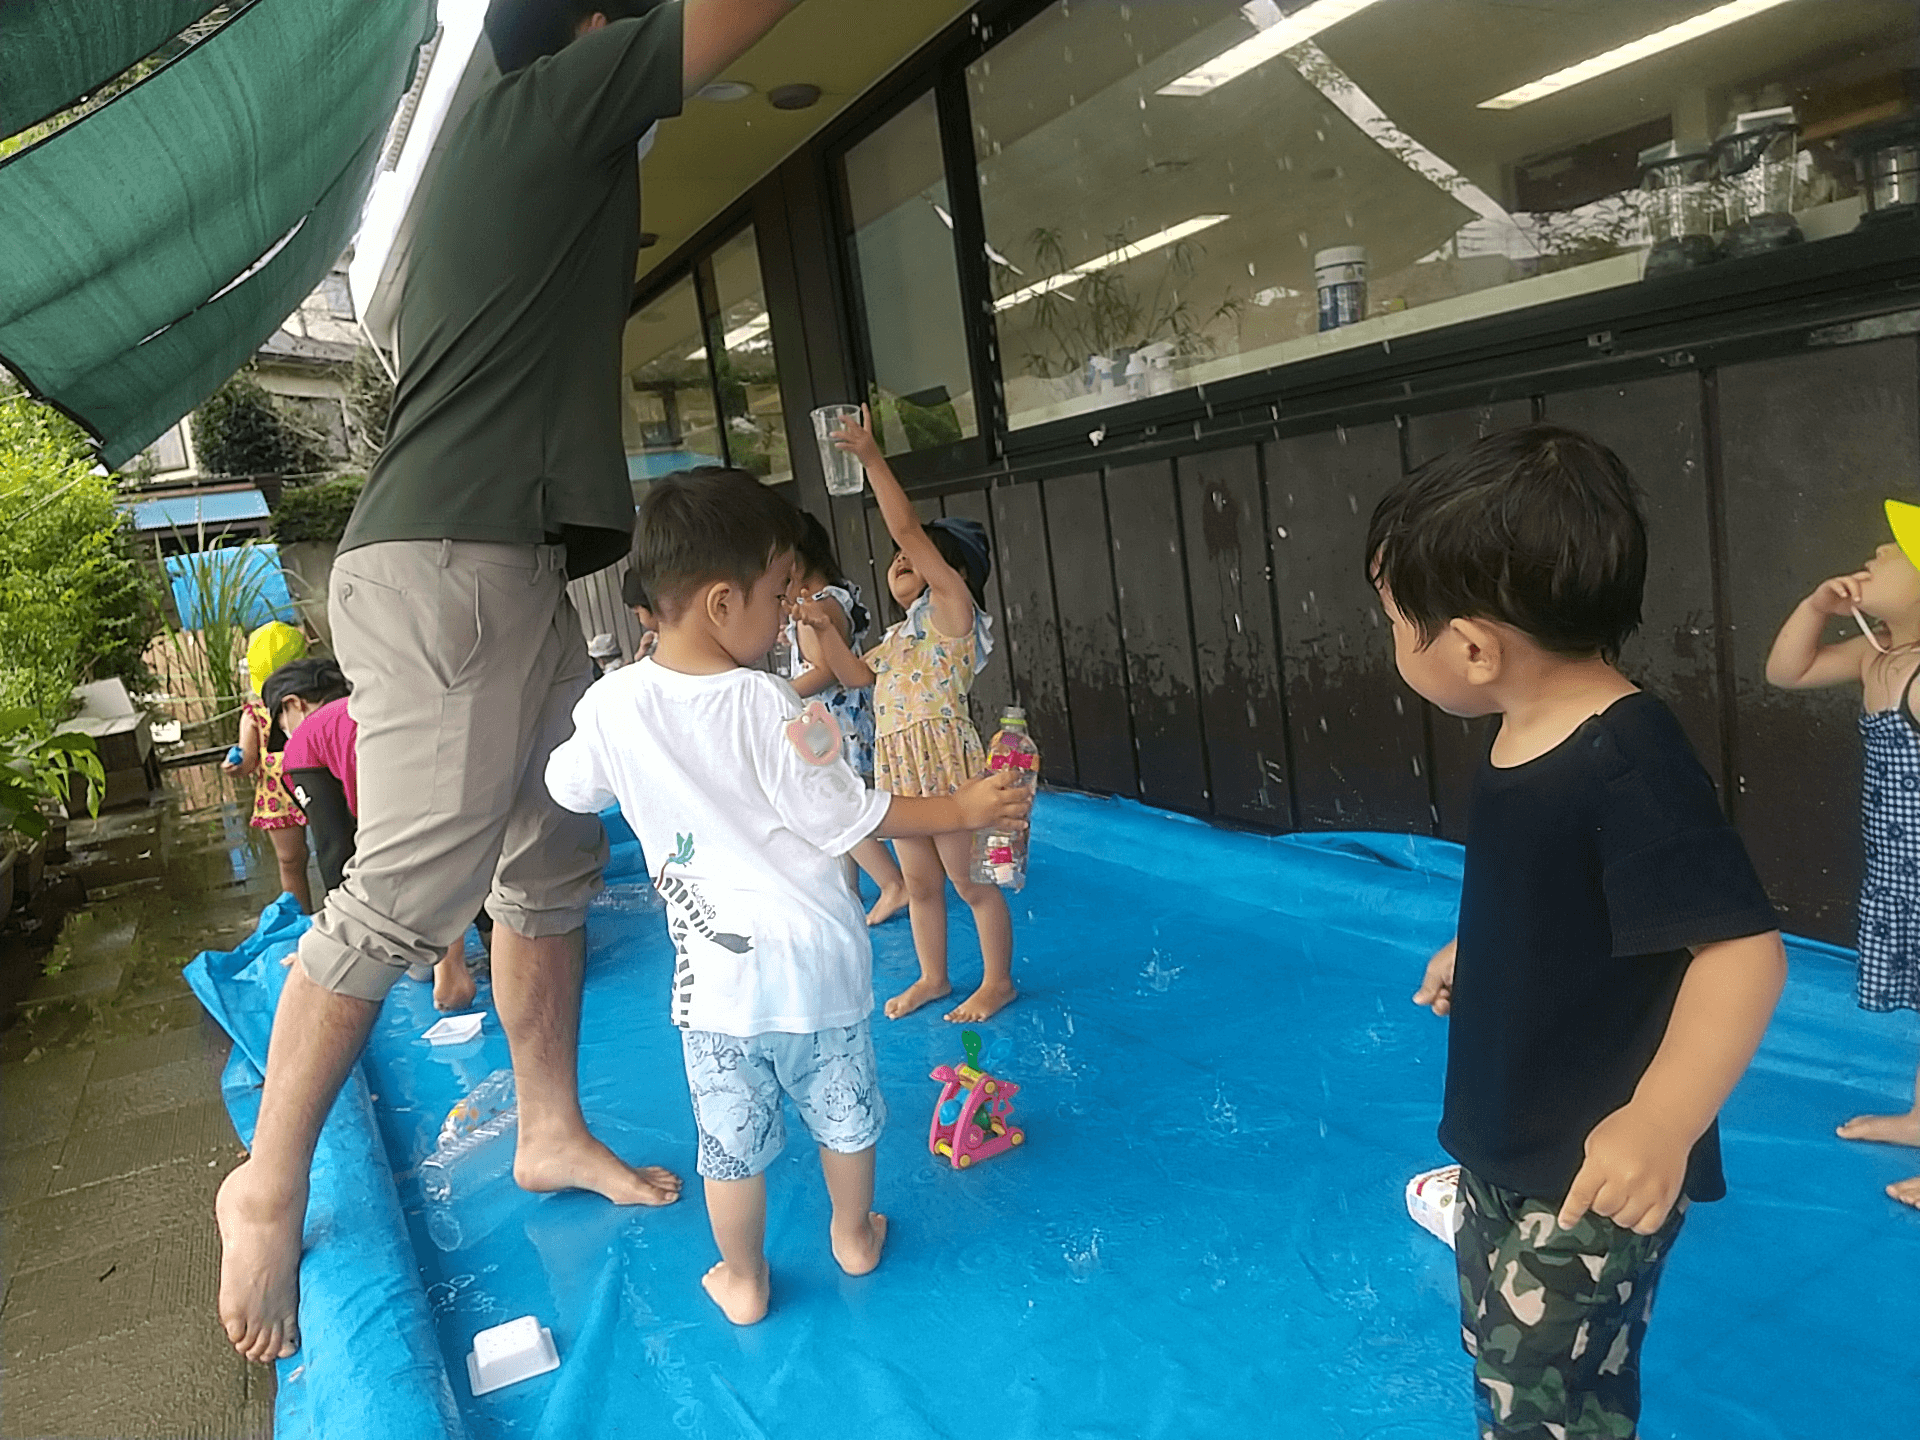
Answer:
(843, 472)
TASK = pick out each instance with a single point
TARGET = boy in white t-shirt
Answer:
(744, 815)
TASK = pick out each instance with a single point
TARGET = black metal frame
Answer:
(1738, 309)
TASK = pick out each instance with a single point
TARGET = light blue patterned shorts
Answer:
(736, 1087)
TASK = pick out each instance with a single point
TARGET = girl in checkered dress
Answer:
(1883, 598)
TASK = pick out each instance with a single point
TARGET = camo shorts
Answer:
(1554, 1318)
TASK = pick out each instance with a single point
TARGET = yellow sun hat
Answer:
(270, 647)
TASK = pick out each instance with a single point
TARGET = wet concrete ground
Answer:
(112, 1134)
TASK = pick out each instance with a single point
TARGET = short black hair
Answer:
(521, 31)
(699, 526)
(816, 549)
(1538, 527)
(314, 678)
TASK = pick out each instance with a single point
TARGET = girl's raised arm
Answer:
(952, 601)
(1798, 661)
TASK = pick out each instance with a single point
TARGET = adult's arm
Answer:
(719, 32)
(330, 824)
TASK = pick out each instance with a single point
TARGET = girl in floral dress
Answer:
(274, 810)
(924, 740)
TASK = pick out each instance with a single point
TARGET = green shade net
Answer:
(128, 233)
(52, 52)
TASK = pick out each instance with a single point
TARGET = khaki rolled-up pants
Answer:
(466, 662)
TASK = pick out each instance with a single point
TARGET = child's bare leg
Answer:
(872, 856)
(737, 1210)
(290, 853)
(995, 924)
(1888, 1129)
(857, 1231)
(926, 881)
(453, 987)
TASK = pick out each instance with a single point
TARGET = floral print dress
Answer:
(273, 807)
(851, 708)
(924, 740)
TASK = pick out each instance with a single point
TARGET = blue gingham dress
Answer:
(1889, 936)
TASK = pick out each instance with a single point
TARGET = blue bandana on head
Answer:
(972, 536)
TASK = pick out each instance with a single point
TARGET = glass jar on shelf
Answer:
(1677, 200)
(1756, 160)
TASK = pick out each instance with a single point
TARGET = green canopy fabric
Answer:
(52, 52)
(153, 244)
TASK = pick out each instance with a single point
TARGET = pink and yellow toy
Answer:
(973, 1118)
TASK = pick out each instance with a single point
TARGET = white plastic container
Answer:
(454, 1030)
(510, 1353)
(1433, 1200)
(1340, 277)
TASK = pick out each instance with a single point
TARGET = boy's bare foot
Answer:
(453, 987)
(921, 992)
(992, 997)
(1886, 1129)
(859, 1254)
(893, 899)
(1907, 1192)
(741, 1298)
(581, 1162)
(260, 1240)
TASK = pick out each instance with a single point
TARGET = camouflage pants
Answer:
(1554, 1318)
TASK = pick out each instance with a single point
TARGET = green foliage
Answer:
(239, 430)
(369, 403)
(75, 603)
(317, 512)
(37, 769)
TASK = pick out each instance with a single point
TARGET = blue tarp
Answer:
(190, 512)
(248, 576)
(1225, 1089)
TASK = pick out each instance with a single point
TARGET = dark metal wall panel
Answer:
(849, 526)
(1657, 428)
(1359, 745)
(1032, 632)
(1809, 447)
(1156, 636)
(1457, 746)
(993, 686)
(1090, 634)
(1242, 705)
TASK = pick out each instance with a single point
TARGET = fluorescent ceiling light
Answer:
(1277, 34)
(737, 336)
(1633, 51)
(1159, 240)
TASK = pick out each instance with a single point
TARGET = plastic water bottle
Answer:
(467, 1181)
(1000, 856)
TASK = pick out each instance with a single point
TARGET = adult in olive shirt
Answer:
(504, 475)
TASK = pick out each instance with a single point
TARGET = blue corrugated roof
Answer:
(186, 512)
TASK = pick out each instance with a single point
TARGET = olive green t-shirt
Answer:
(506, 419)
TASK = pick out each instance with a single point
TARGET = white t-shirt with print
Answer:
(743, 838)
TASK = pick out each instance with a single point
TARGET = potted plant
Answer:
(36, 771)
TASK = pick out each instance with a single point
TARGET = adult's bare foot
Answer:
(453, 985)
(581, 1162)
(921, 992)
(859, 1252)
(990, 999)
(741, 1298)
(1884, 1129)
(893, 899)
(1907, 1192)
(260, 1238)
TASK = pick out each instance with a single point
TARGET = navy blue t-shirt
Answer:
(1590, 870)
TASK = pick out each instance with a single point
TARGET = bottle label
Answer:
(1012, 760)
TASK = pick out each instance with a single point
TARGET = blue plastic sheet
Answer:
(1225, 1089)
(244, 579)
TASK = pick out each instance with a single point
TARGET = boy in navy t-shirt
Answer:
(1617, 959)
